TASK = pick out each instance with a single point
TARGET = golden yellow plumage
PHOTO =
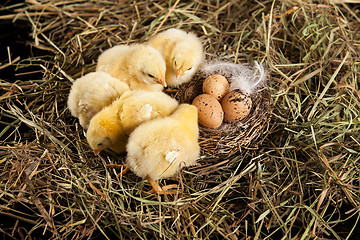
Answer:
(139, 65)
(111, 126)
(159, 148)
(92, 92)
(139, 106)
(183, 54)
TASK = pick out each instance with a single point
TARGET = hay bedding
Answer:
(301, 181)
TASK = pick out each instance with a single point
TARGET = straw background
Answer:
(300, 182)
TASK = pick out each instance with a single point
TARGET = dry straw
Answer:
(300, 180)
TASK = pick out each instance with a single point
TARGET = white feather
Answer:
(171, 156)
(82, 106)
(241, 76)
(145, 112)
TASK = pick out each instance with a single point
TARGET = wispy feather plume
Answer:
(245, 77)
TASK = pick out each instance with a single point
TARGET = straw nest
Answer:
(230, 138)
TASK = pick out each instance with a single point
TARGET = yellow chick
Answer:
(183, 54)
(90, 93)
(161, 147)
(139, 106)
(111, 126)
(105, 130)
(140, 66)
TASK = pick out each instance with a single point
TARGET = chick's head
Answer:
(104, 131)
(185, 57)
(149, 65)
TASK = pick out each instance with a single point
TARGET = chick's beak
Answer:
(179, 72)
(162, 81)
(97, 151)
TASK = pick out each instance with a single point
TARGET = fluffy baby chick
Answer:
(161, 147)
(105, 130)
(111, 126)
(90, 93)
(141, 66)
(140, 106)
(183, 54)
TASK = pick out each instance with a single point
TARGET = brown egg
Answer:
(236, 106)
(210, 113)
(216, 85)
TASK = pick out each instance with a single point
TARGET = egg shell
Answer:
(236, 106)
(216, 85)
(210, 113)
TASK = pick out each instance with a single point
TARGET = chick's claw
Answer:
(164, 190)
(160, 190)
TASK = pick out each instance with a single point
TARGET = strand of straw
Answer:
(166, 17)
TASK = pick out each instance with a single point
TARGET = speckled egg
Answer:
(216, 85)
(210, 113)
(236, 106)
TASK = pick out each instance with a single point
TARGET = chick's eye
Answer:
(100, 144)
(150, 75)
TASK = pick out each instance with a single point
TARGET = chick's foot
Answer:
(160, 190)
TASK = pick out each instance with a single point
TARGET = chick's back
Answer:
(140, 66)
(92, 92)
(160, 147)
(139, 106)
(165, 41)
(113, 60)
